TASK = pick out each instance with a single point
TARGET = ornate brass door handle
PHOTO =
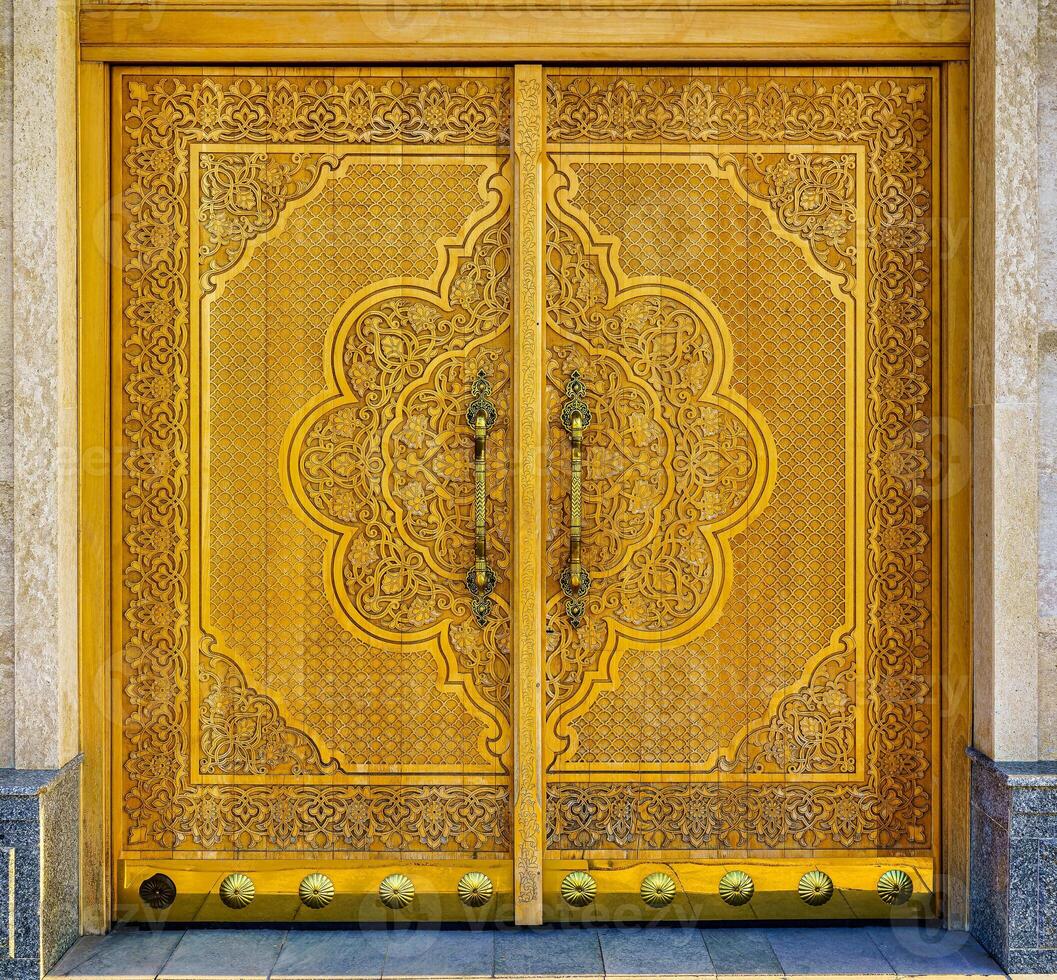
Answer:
(574, 579)
(480, 579)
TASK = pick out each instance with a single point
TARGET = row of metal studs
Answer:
(657, 890)
(578, 889)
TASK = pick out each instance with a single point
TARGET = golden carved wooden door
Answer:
(740, 270)
(526, 504)
(315, 269)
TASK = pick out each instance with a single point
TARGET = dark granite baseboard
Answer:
(40, 856)
(1013, 859)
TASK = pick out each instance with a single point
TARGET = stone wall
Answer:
(1005, 379)
(39, 765)
(7, 500)
(44, 365)
(1047, 300)
(1014, 786)
(38, 388)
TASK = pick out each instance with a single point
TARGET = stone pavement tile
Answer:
(548, 951)
(77, 954)
(915, 950)
(223, 953)
(132, 953)
(741, 952)
(332, 953)
(636, 951)
(827, 950)
(429, 952)
(910, 950)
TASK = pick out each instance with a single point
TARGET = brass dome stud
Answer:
(475, 889)
(578, 889)
(396, 891)
(316, 891)
(736, 888)
(237, 891)
(158, 891)
(816, 888)
(657, 890)
(895, 887)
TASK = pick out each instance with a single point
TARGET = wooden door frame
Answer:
(517, 32)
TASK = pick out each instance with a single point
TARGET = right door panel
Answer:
(740, 308)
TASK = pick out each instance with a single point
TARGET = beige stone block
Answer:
(1048, 687)
(983, 281)
(6, 398)
(1006, 219)
(1009, 394)
(1047, 297)
(5, 251)
(983, 579)
(44, 381)
(1016, 202)
(1048, 473)
(1048, 162)
(1048, 398)
(1015, 515)
(1047, 543)
(1005, 589)
(7, 699)
(7, 629)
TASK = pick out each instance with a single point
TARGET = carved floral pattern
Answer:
(813, 729)
(242, 196)
(813, 195)
(891, 118)
(241, 730)
(529, 109)
(163, 117)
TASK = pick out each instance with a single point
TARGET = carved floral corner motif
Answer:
(243, 196)
(242, 731)
(813, 196)
(812, 728)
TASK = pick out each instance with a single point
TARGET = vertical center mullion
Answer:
(529, 501)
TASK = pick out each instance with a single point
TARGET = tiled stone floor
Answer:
(819, 951)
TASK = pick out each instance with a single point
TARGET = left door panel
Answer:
(312, 269)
